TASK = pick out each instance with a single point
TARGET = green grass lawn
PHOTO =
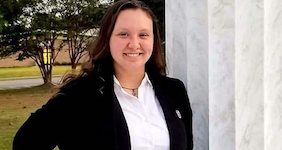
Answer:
(16, 106)
(19, 72)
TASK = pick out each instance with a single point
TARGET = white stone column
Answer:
(249, 75)
(187, 59)
(229, 54)
(273, 74)
(221, 75)
(176, 22)
(197, 69)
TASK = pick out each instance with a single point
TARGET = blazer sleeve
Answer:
(39, 131)
(187, 111)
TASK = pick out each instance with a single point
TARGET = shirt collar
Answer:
(144, 81)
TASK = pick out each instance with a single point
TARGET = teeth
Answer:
(132, 54)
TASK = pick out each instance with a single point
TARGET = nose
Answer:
(134, 43)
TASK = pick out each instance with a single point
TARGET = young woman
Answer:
(122, 100)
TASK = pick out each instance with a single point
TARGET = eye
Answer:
(123, 34)
(144, 35)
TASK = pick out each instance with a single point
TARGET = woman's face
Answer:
(131, 42)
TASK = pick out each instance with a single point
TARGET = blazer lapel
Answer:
(106, 89)
(173, 118)
(121, 132)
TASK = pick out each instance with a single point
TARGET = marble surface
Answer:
(249, 75)
(221, 75)
(176, 46)
(229, 55)
(197, 69)
(187, 55)
(273, 74)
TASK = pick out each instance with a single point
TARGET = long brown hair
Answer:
(99, 49)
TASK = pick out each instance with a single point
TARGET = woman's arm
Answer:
(39, 130)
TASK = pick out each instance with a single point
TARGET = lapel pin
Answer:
(178, 114)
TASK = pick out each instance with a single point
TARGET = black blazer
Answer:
(85, 114)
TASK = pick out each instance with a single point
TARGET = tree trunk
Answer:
(73, 66)
(46, 72)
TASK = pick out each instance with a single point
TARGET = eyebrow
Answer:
(125, 29)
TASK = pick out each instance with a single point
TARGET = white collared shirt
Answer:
(144, 116)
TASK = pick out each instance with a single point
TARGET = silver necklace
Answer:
(134, 91)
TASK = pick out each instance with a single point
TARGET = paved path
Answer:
(22, 83)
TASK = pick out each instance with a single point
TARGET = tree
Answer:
(37, 25)
(81, 19)
(2, 22)
(32, 30)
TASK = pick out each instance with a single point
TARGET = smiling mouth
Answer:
(132, 54)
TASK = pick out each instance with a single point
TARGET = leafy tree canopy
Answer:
(30, 26)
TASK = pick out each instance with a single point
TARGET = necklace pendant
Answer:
(134, 92)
